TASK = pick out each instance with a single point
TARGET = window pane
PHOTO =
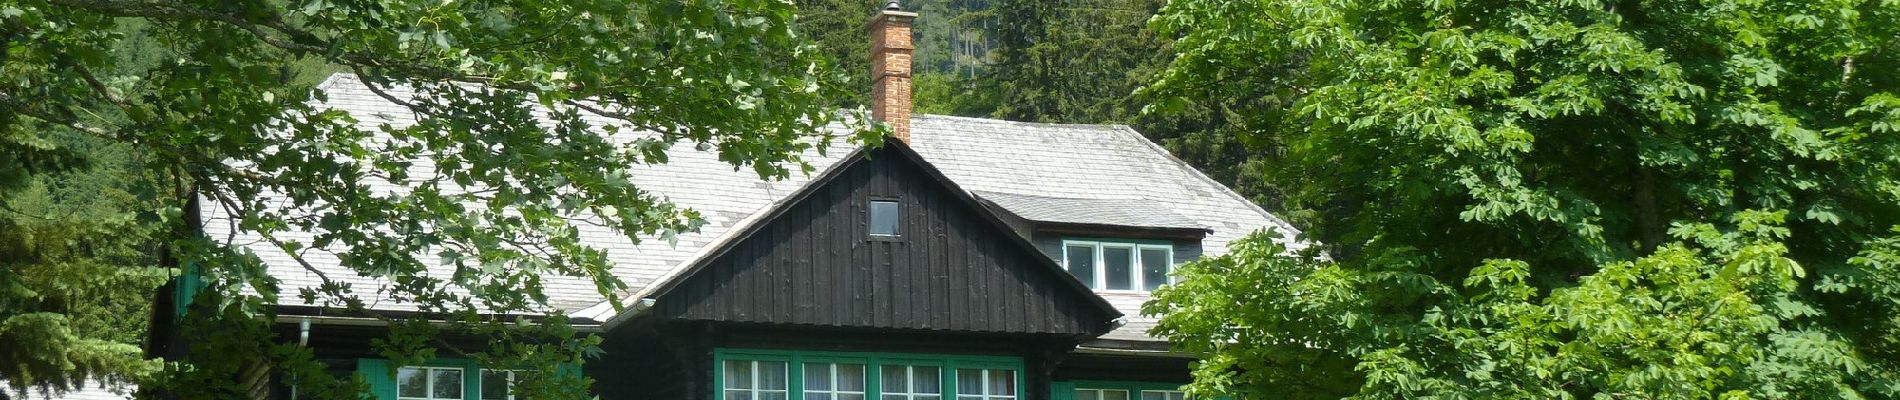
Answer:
(1114, 395)
(738, 375)
(851, 378)
(448, 383)
(1081, 259)
(771, 375)
(894, 378)
(738, 395)
(969, 381)
(1003, 382)
(925, 380)
(817, 395)
(1085, 394)
(771, 395)
(1118, 266)
(1163, 395)
(411, 382)
(494, 385)
(1155, 264)
(817, 376)
(850, 396)
(884, 217)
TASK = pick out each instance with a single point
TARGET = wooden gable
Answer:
(954, 266)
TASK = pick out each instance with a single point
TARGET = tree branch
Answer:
(15, 104)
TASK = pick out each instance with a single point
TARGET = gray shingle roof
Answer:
(1110, 169)
(1089, 162)
(1113, 212)
(91, 390)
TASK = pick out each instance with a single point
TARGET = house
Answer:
(967, 259)
(92, 389)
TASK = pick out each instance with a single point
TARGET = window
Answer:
(1125, 266)
(986, 384)
(755, 380)
(1119, 390)
(439, 383)
(496, 384)
(1161, 395)
(1100, 394)
(429, 383)
(911, 382)
(826, 381)
(753, 374)
(444, 379)
(884, 221)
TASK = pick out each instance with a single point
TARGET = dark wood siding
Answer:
(951, 269)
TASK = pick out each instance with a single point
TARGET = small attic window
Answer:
(884, 221)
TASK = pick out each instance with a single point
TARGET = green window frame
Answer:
(948, 367)
(1066, 390)
(382, 376)
(1140, 277)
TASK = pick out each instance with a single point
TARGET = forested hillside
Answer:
(1068, 61)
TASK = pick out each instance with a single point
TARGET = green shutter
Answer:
(1062, 391)
(382, 380)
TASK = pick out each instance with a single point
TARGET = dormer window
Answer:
(884, 220)
(1119, 265)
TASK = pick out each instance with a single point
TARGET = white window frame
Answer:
(428, 383)
(1165, 394)
(864, 371)
(755, 390)
(910, 382)
(986, 393)
(1136, 283)
(1099, 393)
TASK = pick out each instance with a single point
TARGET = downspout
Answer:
(303, 340)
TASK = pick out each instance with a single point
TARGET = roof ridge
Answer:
(1006, 121)
(1133, 198)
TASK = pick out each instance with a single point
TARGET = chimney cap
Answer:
(893, 6)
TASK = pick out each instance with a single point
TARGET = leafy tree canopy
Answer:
(1573, 199)
(224, 117)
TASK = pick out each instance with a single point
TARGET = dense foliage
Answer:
(224, 118)
(1576, 199)
(71, 271)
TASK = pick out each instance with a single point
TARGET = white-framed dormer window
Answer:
(1119, 266)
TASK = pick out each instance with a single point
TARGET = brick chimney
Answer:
(890, 69)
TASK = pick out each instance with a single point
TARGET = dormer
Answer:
(1114, 246)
